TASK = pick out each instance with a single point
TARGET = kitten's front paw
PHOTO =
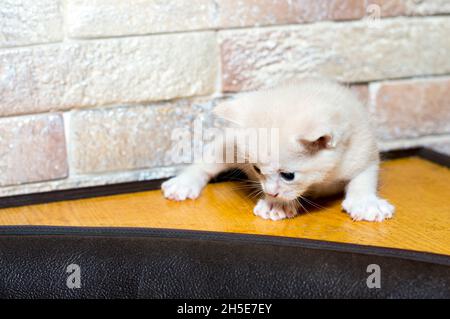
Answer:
(273, 211)
(371, 208)
(182, 187)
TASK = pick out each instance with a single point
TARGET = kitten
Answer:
(326, 145)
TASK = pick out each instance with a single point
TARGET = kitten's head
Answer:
(299, 167)
(309, 139)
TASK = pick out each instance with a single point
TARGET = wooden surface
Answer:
(419, 189)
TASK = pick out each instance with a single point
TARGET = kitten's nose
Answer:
(272, 194)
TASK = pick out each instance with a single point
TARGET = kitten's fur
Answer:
(325, 138)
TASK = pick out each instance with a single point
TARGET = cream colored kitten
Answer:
(326, 145)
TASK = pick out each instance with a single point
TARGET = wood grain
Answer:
(419, 189)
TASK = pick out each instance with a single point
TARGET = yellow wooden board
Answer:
(419, 189)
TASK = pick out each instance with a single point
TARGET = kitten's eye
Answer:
(287, 176)
(256, 169)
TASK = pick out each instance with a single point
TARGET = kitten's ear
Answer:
(317, 141)
(228, 111)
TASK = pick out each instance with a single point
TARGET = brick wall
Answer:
(91, 89)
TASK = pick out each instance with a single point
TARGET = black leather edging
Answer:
(434, 157)
(421, 152)
(131, 232)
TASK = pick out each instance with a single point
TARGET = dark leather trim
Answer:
(163, 263)
(60, 231)
(422, 152)
(131, 187)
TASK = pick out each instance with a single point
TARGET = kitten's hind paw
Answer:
(274, 211)
(371, 208)
(182, 187)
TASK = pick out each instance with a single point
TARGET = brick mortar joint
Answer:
(288, 26)
(156, 103)
(372, 86)
(218, 30)
(69, 153)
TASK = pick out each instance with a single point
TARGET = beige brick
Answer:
(106, 18)
(32, 148)
(88, 18)
(238, 13)
(386, 8)
(349, 52)
(427, 7)
(87, 73)
(411, 108)
(391, 8)
(125, 138)
(25, 22)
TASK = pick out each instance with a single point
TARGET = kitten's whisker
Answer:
(251, 184)
(234, 173)
(243, 180)
(256, 193)
(311, 202)
(243, 187)
(246, 186)
(248, 181)
(307, 211)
